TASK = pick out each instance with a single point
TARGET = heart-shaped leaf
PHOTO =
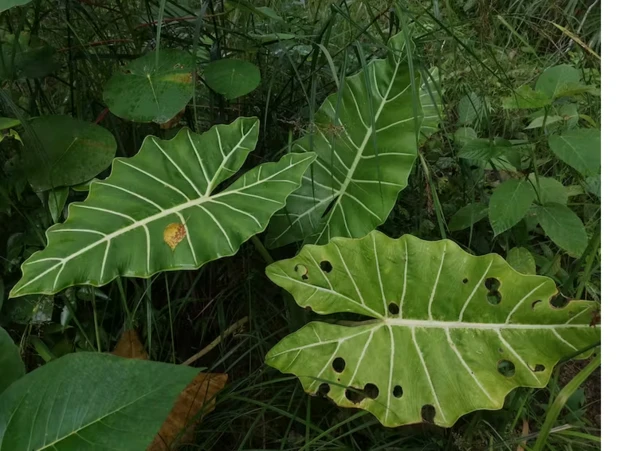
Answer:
(365, 138)
(157, 211)
(231, 77)
(559, 80)
(145, 92)
(67, 152)
(10, 361)
(449, 333)
(90, 401)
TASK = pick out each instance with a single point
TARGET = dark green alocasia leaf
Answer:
(442, 324)
(11, 366)
(468, 216)
(157, 211)
(57, 200)
(579, 148)
(8, 4)
(90, 401)
(521, 260)
(550, 190)
(69, 151)
(557, 80)
(564, 228)
(509, 203)
(232, 78)
(144, 92)
(365, 154)
(525, 98)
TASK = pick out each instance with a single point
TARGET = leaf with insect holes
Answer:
(160, 210)
(143, 91)
(365, 138)
(90, 401)
(447, 332)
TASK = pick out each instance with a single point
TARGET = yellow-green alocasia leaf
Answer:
(446, 332)
(160, 210)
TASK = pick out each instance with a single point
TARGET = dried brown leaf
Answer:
(129, 346)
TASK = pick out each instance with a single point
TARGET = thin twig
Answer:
(230, 330)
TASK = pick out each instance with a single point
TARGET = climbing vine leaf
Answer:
(157, 211)
(448, 333)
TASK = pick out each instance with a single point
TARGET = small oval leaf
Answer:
(232, 78)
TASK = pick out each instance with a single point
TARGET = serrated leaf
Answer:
(232, 78)
(521, 260)
(468, 216)
(551, 190)
(11, 364)
(525, 98)
(67, 152)
(144, 92)
(90, 401)
(441, 325)
(556, 81)
(579, 148)
(365, 154)
(564, 228)
(509, 203)
(119, 229)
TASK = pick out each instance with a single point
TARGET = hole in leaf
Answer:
(329, 207)
(494, 297)
(339, 364)
(371, 390)
(535, 303)
(465, 280)
(539, 368)
(323, 390)
(302, 271)
(326, 266)
(393, 308)
(428, 413)
(559, 301)
(492, 284)
(397, 391)
(506, 368)
(500, 350)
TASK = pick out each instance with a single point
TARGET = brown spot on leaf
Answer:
(174, 233)
(182, 78)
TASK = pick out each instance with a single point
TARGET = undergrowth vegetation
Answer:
(362, 225)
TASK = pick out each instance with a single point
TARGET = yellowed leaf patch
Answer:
(195, 401)
(174, 233)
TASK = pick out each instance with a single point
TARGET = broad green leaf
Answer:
(11, 366)
(468, 216)
(524, 98)
(8, 4)
(8, 122)
(472, 108)
(90, 401)
(157, 211)
(521, 260)
(441, 324)
(69, 151)
(551, 190)
(569, 113)
(484, 149)
(269, 13)
(564, 228)
(579, 148)
(33, 57)
(464, 135)
(509, 203)
(231, 77)
(555, 81)
(365, 153)
(56, 201)
(272, 37)
(544, 120)
(593, 184)
(144, 92)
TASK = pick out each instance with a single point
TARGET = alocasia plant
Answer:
(157, 211)
(447, 332)
(365, 138)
